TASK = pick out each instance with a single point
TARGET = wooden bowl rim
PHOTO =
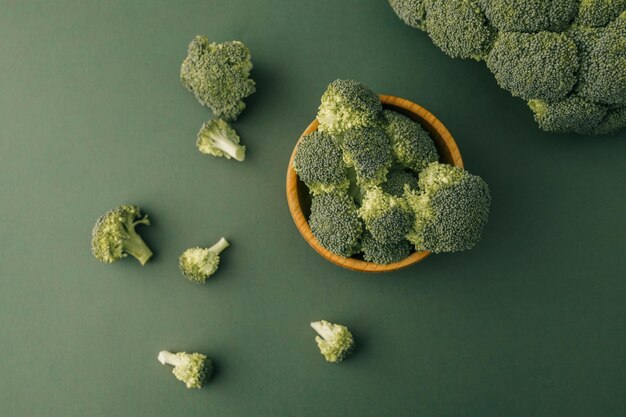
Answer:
(302, 224)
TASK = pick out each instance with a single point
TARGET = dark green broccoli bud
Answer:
(598, 13)
(384, 252)
(397, 179)
(412, 12)
(459, 28)
(334, 340)
(217, 138)
(319, 164)
(603, 74)
(530, 15)
(573, 114)
(335, 223)
(450, 209)
(218, 74)
(534, 65)
(197, 264)
(114, 236)
(411, 144)
(347, 104)
(386, 217)
(194, 369)
(614, 120)
(368, 150)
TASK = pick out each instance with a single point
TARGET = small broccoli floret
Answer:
(411, 144)
(217, 138)
(319, 164)
(459, 28)
(450, 209)
(397, 179)
(194, 369)
(530, 15)
(384, 252)
(386, 217)
(347, 104)
(197, 264)
(218, 75)
(534, 66)
(114, 236)
(412, 12)
(334, 340)
(573, 114)
(368, 150)
(335, 223)
(598, 13)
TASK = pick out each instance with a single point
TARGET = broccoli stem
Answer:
(322, 330)
(219, 246)
(137, 247)
(169, 358)
(234, 150)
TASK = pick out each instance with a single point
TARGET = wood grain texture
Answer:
(297, 193)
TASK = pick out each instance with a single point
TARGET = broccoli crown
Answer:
(412, 12)
(397, 179)
(194, 369)
(598, 13)
(347, 104)
(571, 114)
(319, 163)
(197, 264)
(218, 75)
(384, 252)
(334, 340)
(335, 223)
(386, 217)
(367, 149)
(114, 237)
(411, 144)
(217, 138)
(450, 209)
(534, 65)
(459, 28)
(530, 15)
(614, 120)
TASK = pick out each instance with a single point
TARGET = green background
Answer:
(92, 114)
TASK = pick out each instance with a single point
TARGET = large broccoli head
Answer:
(319, 164)
(335, 223)
(560, 55)
(218, 74)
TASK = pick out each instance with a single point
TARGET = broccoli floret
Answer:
(411, 144)
(368, 150)
(384, 252)
(386, 217)
(459, 28)
(114, 236)
(217, 138)
(598, 13)
(197, 264)
(334, 340)
(335, 223)
(614, 120)
(347, 104)
(194, 369)
(573, 114)
(319, 164)
(450, 209)
(534, 65)
(530, 15)
(412, 12)
(218, 75)
(397, 179)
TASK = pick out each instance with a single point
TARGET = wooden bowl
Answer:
(300, 202)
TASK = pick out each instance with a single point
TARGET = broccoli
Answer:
(347, 104)
(386, 217)
(194, 369)
(572, 113)
(335, 223)
(614, 120)
(384, 252)
(397, 179)
(217, 138)
(598, 13)
(411, 144)
(114, 236)
(412, 12)
(368, 150)
(334, 340)
(530, 15)
(197, 264)
(319, 164)
(218, 75)
(459, 28)
(450, 209)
